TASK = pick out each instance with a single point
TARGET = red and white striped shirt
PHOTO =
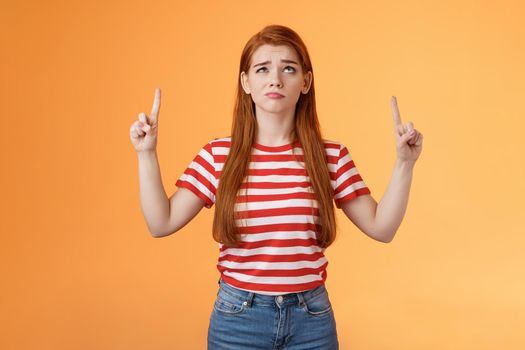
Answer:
(278, 253)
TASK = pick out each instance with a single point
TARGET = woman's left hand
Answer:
(409, 140)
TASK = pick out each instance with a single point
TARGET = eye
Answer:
(290, 67)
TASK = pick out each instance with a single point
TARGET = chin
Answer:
(275, 108)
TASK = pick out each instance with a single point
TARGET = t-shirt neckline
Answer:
(280, 148)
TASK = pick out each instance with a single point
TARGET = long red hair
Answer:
(244, 129)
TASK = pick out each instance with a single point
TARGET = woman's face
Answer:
(275, 69)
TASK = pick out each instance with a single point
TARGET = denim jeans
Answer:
(243, 320)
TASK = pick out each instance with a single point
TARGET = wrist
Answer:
(147, 153)
(405, 164)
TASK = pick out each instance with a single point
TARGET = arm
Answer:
(381, 221)
(184, 206)
(163, 216)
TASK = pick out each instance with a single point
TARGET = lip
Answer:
(274, 95)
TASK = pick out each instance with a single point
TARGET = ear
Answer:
(244, 82)
(307, 82)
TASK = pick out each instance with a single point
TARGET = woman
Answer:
(274, 213)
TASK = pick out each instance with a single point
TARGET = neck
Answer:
(275, 129)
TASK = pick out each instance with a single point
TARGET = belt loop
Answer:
(300, 296)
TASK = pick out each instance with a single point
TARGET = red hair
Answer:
(244, 130)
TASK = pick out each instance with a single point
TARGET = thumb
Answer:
(145, 127)
(142, 118)
(410, 126)
(405, 137)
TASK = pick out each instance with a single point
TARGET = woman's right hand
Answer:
(143, 132)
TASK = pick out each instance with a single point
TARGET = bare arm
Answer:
(381, 221)
(392, 207)
(362, 211)
(184, 206)
(163, 216)
(153, 199)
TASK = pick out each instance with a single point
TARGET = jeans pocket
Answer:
(318, 305)
(228, 306)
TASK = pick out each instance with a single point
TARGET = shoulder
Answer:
(220, 145)
(332, 147)
(221, 141)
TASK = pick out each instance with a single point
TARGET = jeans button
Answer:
(280, 299)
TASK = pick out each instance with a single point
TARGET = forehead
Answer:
(267, 52)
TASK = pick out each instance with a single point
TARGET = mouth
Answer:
(274, 95)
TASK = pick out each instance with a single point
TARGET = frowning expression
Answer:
(275, 79)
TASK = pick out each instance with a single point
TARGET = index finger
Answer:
(395, 113)
(156, 105)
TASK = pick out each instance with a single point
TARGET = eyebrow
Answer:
(283, 60)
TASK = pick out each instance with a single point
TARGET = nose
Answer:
(275, 80)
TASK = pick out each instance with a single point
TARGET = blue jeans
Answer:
(243, 320)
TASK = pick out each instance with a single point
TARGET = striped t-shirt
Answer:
(278, 253)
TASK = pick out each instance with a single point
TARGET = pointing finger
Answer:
(395, 113)
(400, 130)
(156, 106)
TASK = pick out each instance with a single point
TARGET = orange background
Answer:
(79, 267)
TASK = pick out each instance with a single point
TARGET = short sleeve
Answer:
(348, 181)
(200, 176)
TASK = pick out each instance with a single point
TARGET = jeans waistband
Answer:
(250, 297)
